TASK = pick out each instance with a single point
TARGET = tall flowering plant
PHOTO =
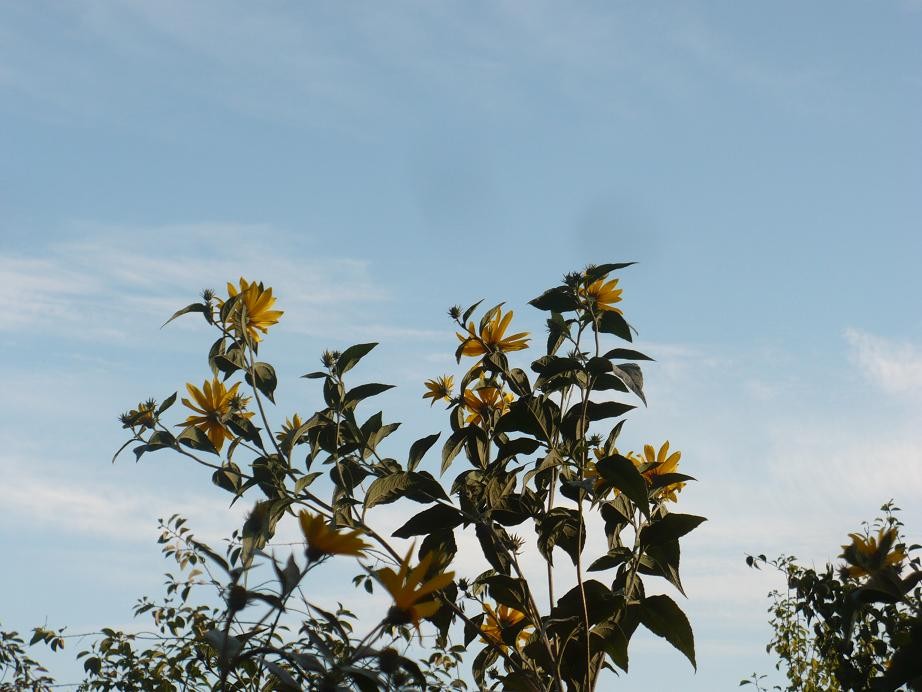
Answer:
(531, 464)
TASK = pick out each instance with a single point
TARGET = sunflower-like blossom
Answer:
(484, 402)
(145, 415)
(603, 294)
(408, 587)
(665, 463)
(867, 555)
(492, 337)
(439, 389)
(254, 308)
(214, 403)
(591, 473)
(322, 539)
(289, 427)
(502, 618)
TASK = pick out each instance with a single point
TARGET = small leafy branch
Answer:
(858, 627)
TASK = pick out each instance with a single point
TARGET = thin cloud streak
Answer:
(894, 366)
(122, 280)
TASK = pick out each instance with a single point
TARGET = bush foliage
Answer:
(856, 627)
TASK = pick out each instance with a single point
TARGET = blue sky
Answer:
(377, 163)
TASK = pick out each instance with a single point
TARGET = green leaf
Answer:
(194, 307)
(606, 409)
(664, 618)
(472, 628)
(543, 464)
(561, 527)
(351, 356)
(169, 401)
(600, 270)
(416, 486)
(522, 681)
(662, 560)
(559, 299)
(227, 477)
(242, 426)
(437, 518)
(347, 474)
(518, 382)
(452, 446)
(609, 637)
(285, 682)
(508, 591)
(520, 445)
(620, 473)
(227, 645)
(161, 439)
(608, 382)
(443, 544)
(314, 375)
(613, 558)
(670, 527)
(632, 376)
(363, 391)
(305, 480)
(572, 421)
(491, 540)
(546, 366)
(601, 602)
(259, 527)
(665, 479)
(626, 354)
(531, 415)
(470, 311)
(612, 323)
(419, 448)
(194, 438)
(266, 381)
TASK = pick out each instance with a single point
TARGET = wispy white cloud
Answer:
(108, 511)
(116, 282)
(894, 366)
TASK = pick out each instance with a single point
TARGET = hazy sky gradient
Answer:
(377, 163)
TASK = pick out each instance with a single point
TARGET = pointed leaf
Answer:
(437, 518)
(664, 618)
(419, 448)
(351, 356)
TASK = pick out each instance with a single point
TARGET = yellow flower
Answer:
(439, 388)
(322, 539)
(289, 427)
(591, 472)
(256, 302)
(214, 402)
(603, 294)
(145, 415)
(492, 337)
(867, 555)
(402, 586)
(666, 463)
(498, 620)
(483, 402)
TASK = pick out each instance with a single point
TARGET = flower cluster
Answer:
(214, 403)
(322, 539)
(868, 556)
(409, 586)
(500, 619)
(253, 313)
(492, 337)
